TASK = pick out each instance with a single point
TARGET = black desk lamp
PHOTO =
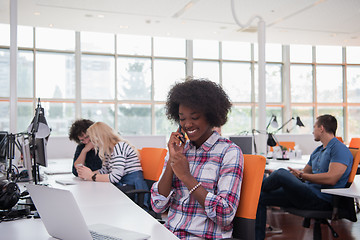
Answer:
(273, 122)
(271, 141)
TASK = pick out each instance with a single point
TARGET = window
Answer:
(99, 112)
(134, 119)
(25, 79)
(97, 77)
(47, 38)
(133, 45)
(353, 84)
(134, 78)
(124, 80)
(207, 69)
(239, 120)
(206, 49)
(97, 42)
(55, 80)
(5, 73)
(329, 83)
(166, 73)
(169, 47)
(328, 54)
(301, 53)
(236, 51)
(237, 81)
(301, 77)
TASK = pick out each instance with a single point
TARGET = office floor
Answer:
(293, 230)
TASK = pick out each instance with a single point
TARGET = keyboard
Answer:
(98, 236)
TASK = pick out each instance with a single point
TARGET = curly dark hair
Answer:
(79, 128)
(200, 94)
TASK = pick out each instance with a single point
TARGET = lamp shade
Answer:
(43, 131)
(299, 122)
(271, 141)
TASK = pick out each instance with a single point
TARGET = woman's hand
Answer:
(177, 160)
(89, 146)
(84, 172)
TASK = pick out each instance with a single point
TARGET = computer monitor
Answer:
(3, 145)
(25, 147)
(244, 142)
(40, 152)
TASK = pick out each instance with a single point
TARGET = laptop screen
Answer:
(244, 142)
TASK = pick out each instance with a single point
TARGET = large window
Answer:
(123, 80)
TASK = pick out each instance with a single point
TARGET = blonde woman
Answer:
(120, 160)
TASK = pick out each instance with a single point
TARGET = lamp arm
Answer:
(283, 125)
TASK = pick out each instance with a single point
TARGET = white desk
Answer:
(99, 203)
(352, 191)
(274, 164)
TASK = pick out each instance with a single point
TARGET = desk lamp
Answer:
(271, 136)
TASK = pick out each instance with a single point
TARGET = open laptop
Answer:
(63, 219)
(244, 142)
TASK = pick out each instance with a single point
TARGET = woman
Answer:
(120, 161)
(201, 181)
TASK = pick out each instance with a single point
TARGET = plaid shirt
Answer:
(218, 165)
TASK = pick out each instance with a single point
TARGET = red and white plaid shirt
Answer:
(218, 166)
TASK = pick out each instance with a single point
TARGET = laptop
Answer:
(244, 142)
(62, 217)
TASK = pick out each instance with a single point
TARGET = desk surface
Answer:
(352, 191)
(99, 203)
(274, 164)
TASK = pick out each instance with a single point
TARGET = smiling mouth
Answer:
(191, 132)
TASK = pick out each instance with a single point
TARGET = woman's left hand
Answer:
(84, 172)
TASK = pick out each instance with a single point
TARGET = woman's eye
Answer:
(182, 119)
(195, 118)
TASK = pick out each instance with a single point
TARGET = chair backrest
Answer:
(152, 162)
(356, 161)
(340, 139)
(253, 174)
(288, 145)
(354, 143)
(254, 167)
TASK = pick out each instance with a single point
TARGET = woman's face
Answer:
(195, 125)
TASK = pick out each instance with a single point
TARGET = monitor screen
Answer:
(244, 142)
(25, 146)
(40, 152)
(3, 143)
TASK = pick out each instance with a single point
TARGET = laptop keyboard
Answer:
(98, 236)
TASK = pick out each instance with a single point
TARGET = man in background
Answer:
(85, 153)
(329, 167)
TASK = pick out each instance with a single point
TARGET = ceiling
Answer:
(315, 22)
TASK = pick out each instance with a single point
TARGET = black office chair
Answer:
(343, 207)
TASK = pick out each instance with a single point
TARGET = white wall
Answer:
(305, 141)
(62, 147)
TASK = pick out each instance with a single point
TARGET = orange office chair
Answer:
(343, 206)
(152, 162)
(244, 221)
(288, 145)
(340, 139)
(354, 143)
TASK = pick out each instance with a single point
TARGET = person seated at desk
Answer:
(85, 153)
(120, 160)
(201, 181)
(329, 167)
